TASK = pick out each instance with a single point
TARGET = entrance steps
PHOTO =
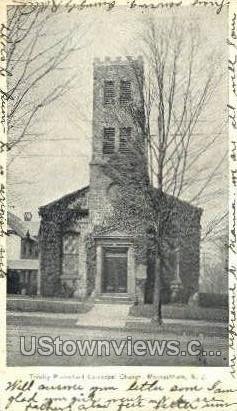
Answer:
(115, 298)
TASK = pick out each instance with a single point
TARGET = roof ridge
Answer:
(64, 197)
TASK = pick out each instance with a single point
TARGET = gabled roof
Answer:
(77, 198)
(22, 228)
(180, 203)
(15, 224)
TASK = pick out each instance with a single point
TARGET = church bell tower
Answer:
(117, 93)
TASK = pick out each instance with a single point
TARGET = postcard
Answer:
(118, 169)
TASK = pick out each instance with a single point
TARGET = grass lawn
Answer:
(187, 312)
(48, 305)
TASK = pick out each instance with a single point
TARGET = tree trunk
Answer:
(157, 316)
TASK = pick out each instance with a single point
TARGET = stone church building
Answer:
(82, 255)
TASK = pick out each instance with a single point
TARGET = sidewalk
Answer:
(105, 316)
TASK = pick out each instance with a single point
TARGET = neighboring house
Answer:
(80, 254)
(22, 255)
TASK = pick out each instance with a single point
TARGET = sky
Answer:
(57, 162)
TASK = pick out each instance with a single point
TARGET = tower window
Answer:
(125, 135)
(109, 92)
(109, 140)
(125, 91)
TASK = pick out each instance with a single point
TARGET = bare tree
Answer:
(215, 260)
(38, 49)
(175, 95)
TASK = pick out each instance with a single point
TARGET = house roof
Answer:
(15, 224)
(22, 228)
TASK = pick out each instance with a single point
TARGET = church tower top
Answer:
(117, 104)
(119, 60)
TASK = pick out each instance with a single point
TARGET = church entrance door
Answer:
(115, 270)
